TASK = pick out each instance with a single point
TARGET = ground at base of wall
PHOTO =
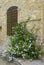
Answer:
(23, 62)
(31, 62)
(35, 62)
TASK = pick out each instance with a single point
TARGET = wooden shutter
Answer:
(12, 15)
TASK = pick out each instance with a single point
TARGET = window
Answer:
(12, 15)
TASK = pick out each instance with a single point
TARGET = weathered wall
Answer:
(26, 8)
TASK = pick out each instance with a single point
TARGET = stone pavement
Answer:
(33, 63)
(22, 62)
(30, 62)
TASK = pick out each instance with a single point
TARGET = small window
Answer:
(12, 15)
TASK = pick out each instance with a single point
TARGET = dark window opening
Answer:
(12, 15)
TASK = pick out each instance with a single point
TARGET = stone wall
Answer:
(26, 8)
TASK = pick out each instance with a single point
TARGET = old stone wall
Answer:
(26, 8)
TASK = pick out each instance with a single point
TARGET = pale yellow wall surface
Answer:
(26, 8)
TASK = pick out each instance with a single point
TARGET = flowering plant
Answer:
(23, 42)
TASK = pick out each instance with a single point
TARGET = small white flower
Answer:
(16, 46)
(21, 51)
(29, 41)
(30, 38)
(19, 43)
(23, 55)
(25, 49)
(23, 46)
(32, 52)
(29, 45)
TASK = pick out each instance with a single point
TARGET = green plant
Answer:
(23, 42)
